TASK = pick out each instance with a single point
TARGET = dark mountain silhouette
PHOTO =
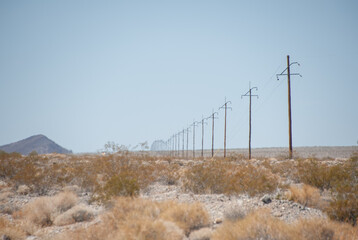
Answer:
(39, 143)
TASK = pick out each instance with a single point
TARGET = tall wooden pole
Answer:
(289, 74)
(250, 126)
(289, 106)
(178, 144)
(212, 136)
(225, 131)
(183, 145)
(187, 143)
(249, 94)
(202, 137)
(225, 108)
(194, 140)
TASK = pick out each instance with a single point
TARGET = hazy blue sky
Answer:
(87, 72)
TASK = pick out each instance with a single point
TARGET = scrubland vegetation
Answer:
(112, 184)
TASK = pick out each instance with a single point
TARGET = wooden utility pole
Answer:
(289, 106)
(289, 99)
(183, 145)
(212, 132)
(202, 136)
(194, 125)
(250, 95)
(178, 144)
(172, 152)
(187, 142)
(225, 107)
(175, 144)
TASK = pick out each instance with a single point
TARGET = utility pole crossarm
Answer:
(287, 69)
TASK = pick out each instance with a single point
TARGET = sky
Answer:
(87, 72)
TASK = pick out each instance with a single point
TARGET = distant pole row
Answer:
(173, 143)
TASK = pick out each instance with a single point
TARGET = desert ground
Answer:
(142, 195)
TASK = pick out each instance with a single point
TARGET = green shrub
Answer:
(344, 206)
(319, 175)
(219, 176)
(123, 184)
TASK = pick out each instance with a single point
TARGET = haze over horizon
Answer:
(84, 73)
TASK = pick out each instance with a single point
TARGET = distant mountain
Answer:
(39, 143)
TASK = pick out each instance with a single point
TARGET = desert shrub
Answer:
(234, 213)
(257, 225)
(42, 174)
(319, 175)
(168, 173)
(285, 169)
(135, 218)
(344, 206)
(8, 164)
(33, 154)
(43, 210)
(9, 230)
(229, 178)
(208, 177)
(123, 184)
(5, 195)
(201, 234)
(255, 180)
(305, 195)
(261, 225)
(78, 213)
(38, 212)
(323, 229)
(188, 217)
(6, 156)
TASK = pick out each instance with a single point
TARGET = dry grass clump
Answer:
(5, 195)
(133, 218)
(201, 234)
(324, 229)
(257, 225)
(261, 225)
(229, 178)
(11, 231)
(234, 213)
(305, 195)
(188, 217)
(42, 211)
(78, 213)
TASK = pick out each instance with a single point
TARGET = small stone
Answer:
(218, 221)
(5, 237)
(23, 189)
(266, 200)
